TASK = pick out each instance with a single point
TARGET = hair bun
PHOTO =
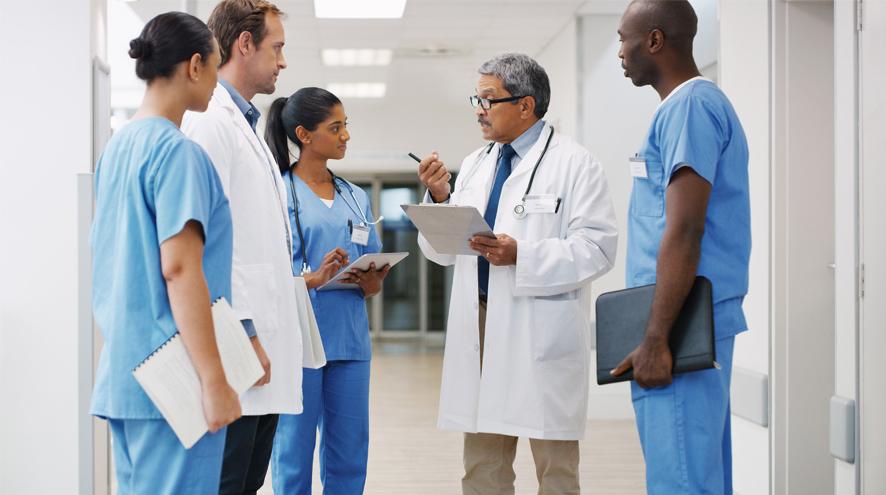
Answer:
(140, 48)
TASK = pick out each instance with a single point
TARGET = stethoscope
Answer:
(306, 267)
(519, 208)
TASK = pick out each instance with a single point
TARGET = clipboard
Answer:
(362, 263)
(447, 228)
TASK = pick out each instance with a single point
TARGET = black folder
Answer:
(621, 326)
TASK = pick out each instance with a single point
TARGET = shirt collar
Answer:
(681, 86)
(525, 141)
(249, 110)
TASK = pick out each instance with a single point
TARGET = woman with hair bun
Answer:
(332, 225)
(162, 252)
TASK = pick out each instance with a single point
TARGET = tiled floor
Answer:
(408, 455)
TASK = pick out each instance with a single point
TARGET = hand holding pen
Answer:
(433, 174)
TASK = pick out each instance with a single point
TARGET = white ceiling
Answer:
(426, 104)
(469, 31)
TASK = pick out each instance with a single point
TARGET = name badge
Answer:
(542, 203)
(638, 167)
(360, 234)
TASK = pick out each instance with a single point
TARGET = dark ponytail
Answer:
(166, 41)
(275, 134)
(307, 107)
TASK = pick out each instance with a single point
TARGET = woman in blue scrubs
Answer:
(332, 226)
(161, 243)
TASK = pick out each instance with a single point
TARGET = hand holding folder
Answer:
(169, 378)
(621, 327)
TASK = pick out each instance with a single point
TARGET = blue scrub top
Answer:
(697, 127)
(341, 314)
(150, 181)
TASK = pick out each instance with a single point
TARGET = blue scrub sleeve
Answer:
(182, 190)
(693, 136)
(249, 326)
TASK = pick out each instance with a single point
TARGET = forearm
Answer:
(190, 303)
(677, 265)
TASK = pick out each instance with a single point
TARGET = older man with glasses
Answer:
(518, 339)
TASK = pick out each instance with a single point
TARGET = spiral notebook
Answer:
(170, 380)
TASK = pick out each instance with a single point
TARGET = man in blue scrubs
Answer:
(689, 215)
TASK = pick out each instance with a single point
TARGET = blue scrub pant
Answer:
(149, 458)
(685, 430)
(336, 401)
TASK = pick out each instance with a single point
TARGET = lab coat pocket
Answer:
(261, 285)
(647, 195)
(559, 328)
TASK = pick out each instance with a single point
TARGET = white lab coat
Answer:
(534, 381)
(263, 288)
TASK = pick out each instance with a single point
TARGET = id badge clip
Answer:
(359, 233)
(638, 167)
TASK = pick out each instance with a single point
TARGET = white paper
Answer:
(362, 263)
(447, 228)
(172, 383)
(314, 355)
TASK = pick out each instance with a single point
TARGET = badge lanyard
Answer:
(359, 231)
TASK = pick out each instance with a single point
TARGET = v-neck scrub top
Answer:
(150, 181)
(341, 314)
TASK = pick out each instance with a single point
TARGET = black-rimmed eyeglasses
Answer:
(486, 103)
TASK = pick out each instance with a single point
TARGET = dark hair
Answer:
(307, 107)
(230, 18)
(166, 41)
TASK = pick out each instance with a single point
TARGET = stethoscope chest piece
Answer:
(519, 211)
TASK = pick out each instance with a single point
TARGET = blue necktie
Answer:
(502, 171)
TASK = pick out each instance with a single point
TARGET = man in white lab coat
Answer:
(250, 37)
(518, 340)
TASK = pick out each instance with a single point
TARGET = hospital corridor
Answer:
(408, 455)
(443, 247)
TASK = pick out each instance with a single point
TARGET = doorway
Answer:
(802, 344)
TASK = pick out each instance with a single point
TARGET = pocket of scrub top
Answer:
(261, 284)
(559, 328)
(647, 195)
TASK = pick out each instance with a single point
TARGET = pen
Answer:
(415, 158)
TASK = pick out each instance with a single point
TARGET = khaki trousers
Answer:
(489, 458)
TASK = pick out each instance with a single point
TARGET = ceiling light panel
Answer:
(359, 9)
(358, 90)
(363, 57)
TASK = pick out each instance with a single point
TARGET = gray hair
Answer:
(521, 76)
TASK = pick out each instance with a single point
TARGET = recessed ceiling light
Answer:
(356, 57)
(358, 90)
(359, 9)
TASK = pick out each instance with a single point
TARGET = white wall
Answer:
(744, 77)
(46, 138)
(559, 58)
(614, 119)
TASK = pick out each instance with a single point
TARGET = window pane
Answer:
(401, 294)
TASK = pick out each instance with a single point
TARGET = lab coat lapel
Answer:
(476, 191)
(259, 147)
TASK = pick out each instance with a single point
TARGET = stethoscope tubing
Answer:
(520, 208)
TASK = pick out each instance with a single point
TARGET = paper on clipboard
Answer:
(448, 227)
(362, 263)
